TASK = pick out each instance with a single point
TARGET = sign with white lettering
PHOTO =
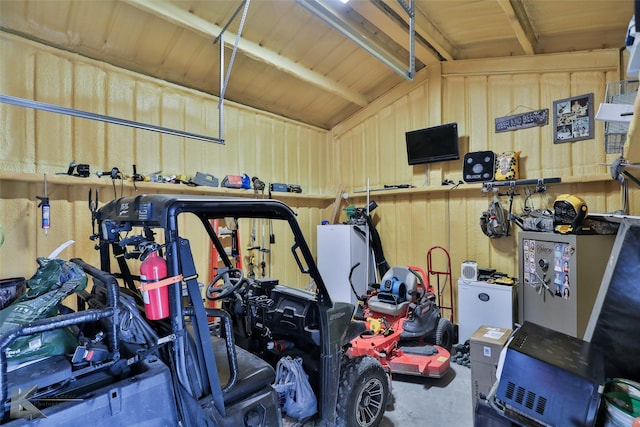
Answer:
(522, 121)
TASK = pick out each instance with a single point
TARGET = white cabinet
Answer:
(340, 248)
(485, 304)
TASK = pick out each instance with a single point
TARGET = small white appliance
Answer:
(469, 271)
(485, 304)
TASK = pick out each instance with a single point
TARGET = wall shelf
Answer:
(94, 181)
(477, 187)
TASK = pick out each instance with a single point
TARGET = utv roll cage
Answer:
(162, 211)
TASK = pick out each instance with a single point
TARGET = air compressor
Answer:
(156, 299)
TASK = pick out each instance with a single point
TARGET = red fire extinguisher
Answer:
(156, 301)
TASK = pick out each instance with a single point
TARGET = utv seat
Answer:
(254, 374)
(394, 300)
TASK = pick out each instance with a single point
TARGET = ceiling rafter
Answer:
(183, 18)
(520, 23)
(426, 30)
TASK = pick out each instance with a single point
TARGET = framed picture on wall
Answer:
(573, 119)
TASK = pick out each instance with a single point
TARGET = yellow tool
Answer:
(375, 325)
(503, 280)
(378, 326)
(569, 212)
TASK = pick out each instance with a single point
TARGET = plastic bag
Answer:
(54, 280)
(292, 383)
(11, 289)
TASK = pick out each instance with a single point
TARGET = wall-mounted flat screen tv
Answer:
(434, 144)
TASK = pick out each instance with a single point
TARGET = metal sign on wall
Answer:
(522, 121)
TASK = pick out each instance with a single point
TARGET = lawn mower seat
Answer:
(397, 290)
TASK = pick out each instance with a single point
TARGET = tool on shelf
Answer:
(114, 174)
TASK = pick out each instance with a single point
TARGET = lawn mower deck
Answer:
(402, 357)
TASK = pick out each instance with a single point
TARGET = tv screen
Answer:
(434, 144)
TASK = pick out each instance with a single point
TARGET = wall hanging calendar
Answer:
(573, 119)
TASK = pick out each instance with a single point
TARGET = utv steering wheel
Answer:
(231, 284)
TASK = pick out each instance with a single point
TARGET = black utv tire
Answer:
(362, 393)
(444, 334)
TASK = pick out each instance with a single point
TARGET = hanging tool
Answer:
(258, 185)
(251, 259)
(272, 239)
(263, 251)
(93, 207)
(114, 173)
(46, 208)
(136, 177)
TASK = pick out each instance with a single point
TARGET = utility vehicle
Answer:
(160, 347)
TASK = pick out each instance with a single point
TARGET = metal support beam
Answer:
(224, 79)
(335, 20)
(20, 102)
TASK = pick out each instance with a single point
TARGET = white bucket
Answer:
(622, 401)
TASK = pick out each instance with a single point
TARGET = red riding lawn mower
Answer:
(402, 326)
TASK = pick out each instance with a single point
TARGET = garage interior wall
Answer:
(36, 142)
(370, 146)
(367, 147)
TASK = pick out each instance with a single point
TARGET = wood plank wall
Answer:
(370, 146)
(367, 147)
(257, 143)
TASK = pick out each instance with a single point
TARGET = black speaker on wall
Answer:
(478, 166)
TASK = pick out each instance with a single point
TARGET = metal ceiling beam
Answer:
(172, 13)
(224, 80)
(427, 31)
(520, 23)
(398, 34)
(335, 19)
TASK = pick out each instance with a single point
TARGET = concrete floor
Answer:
(441, 402)
(417, 401)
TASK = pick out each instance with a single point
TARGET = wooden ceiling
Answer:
(293, 64)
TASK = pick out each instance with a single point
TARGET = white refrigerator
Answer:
(485, 304)
(340, 248)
